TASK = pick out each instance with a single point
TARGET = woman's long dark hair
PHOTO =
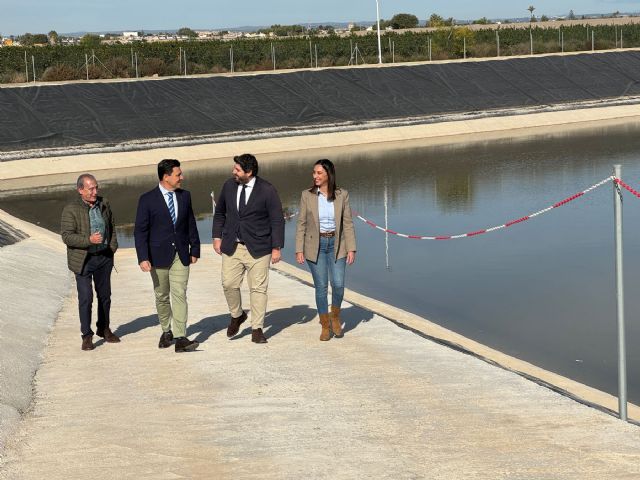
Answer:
(331, 173)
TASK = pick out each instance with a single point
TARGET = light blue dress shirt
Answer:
(326, 214)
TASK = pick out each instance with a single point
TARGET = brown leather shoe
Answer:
(183, 344)
(257, 336)
(165, 339)
(87, 343)
(234, 324)
(109, 336)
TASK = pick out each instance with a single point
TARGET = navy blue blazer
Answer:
(155, 236)
(261, 225)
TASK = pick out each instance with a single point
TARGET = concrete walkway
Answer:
(382, 402)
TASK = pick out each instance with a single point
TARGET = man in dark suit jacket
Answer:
(248, 231)
(167, 242)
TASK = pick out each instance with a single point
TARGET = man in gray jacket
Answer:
(88, 231)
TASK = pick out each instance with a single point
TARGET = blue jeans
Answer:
(324, 269)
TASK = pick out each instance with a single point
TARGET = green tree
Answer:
(53, 37)
(572, 16)
(481, 21)
(544, 18)
(29, 39)
(187, 32)
(403, 20)
(436, 20)
(90, 41)
(531, 9)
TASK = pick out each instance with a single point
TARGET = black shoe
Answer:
(183, 344)
(257, 336)
(165, 339)
(234, 324)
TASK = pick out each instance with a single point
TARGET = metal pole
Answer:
(393, 52)
(231, 57)
(379, 40)
(273, 55)
(26, 67)
(180, 60)
(33, 63)
(622, 357)
(562, 42)
(184, 52)
(316, 45)
(311, 52)
(616, 30)
(136, 64)
(356, 54)
(86, 65)
(464, 43)
(621, 38)
(386, 226)
(531, 39)
(132, 64)
(593, 41)
(93, 57)
(498, 42)
(429, 48)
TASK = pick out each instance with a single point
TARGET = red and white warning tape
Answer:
(499, 227)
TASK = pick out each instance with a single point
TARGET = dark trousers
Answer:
(97, 268)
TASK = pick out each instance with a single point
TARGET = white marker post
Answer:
(622, 356)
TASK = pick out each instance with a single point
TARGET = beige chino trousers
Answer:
(170, 289)
(234, 268)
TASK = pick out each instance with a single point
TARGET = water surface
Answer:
(543, 291)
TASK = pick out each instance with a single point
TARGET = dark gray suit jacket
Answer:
(261, 225)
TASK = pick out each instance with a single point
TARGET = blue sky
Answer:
(41, 16)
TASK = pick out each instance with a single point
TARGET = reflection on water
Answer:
(454, 192)
(543, 291)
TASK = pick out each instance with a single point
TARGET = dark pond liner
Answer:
(10, 235)
(114, 113)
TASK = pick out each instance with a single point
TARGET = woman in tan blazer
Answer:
(326, 239)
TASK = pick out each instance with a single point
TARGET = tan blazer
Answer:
(308, 226)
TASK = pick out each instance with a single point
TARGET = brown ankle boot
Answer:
(326, 332)
(336, 322)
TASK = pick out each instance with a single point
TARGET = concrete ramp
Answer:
(380, 403)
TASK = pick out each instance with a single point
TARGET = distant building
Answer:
(207, 34)
(130, 34)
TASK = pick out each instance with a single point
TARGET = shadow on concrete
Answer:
(277, 320)
(137, 325)
(354, 316)
(208, 326)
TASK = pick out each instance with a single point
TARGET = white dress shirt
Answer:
(247, 192)
(164, 192)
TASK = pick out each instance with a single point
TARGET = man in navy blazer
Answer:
(248, 231)
(167, 242)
